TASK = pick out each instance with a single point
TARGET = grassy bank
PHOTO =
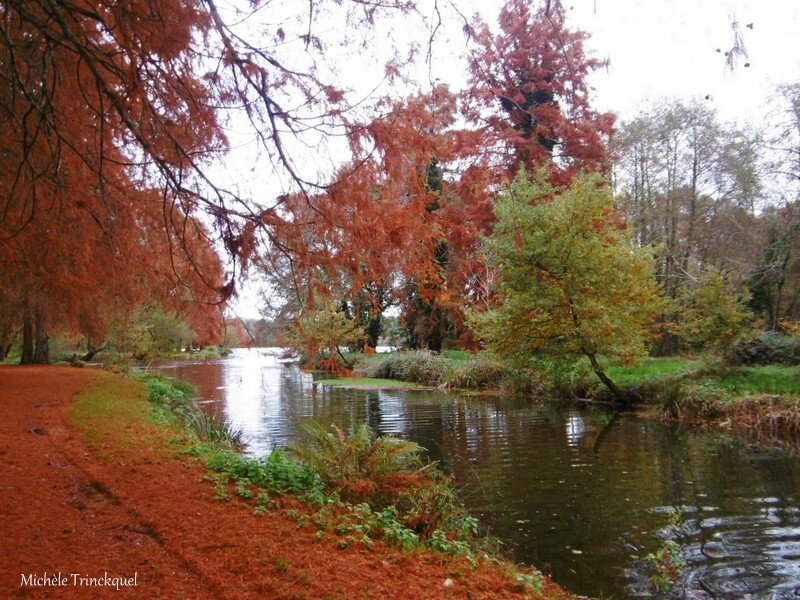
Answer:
(448, 369)
(370, 383)
(353, 490)
(766, 397)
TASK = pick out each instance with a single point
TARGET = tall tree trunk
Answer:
(41, 354)
(692, 214)
(27, 340)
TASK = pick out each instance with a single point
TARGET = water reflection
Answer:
(576, 492)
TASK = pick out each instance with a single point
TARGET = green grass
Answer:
(768, 379)
(370, 383)
(456, 354)
(117, 419)
(12, 358)
(651, 368)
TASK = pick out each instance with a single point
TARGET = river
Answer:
(565, 488)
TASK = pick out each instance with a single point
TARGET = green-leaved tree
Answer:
(320, 334)
(713, 314)
(569, 283)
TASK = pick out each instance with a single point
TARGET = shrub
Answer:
(385, 473)
(428, 368)
(767, 347)
(418, 366)
(476, 372)
(171, 401)
(713, 313)
(704, 401)
(669, 396)
(164, 392)
(318, 336)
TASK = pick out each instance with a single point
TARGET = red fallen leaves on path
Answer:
(70, 507)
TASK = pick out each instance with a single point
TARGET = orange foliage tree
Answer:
(408, 210)
(111, 113)
(526, 105)
(101, 103)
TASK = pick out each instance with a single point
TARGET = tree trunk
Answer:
(618, 395)
(373, 330)
(41, 355)
(27, 341)
(92, 351)
(5, 342)
(345, 362)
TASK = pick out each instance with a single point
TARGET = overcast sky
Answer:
(668, 48)
(655, 49)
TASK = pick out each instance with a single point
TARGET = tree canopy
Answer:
(569, 283)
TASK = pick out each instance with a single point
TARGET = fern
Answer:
(362, 467)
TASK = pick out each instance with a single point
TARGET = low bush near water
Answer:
(450, 370)
(212, 428)
(385, 472)
(172, 403)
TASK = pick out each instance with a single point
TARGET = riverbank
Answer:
(765, 398)
(93, 485)
(61, 355)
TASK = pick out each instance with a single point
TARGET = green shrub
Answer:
(767, 347)
(172, 402)
(418, 366)
(666, 563)
(704, 400)
(387, 473)
(477, 372)
(428, 368)
(669, 396)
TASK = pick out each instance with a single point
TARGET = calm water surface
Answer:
(581, 496)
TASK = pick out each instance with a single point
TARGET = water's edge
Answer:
(567, 489)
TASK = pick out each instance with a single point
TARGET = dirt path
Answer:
(68, 507)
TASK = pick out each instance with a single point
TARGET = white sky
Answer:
(667, 48)
(656, 49)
